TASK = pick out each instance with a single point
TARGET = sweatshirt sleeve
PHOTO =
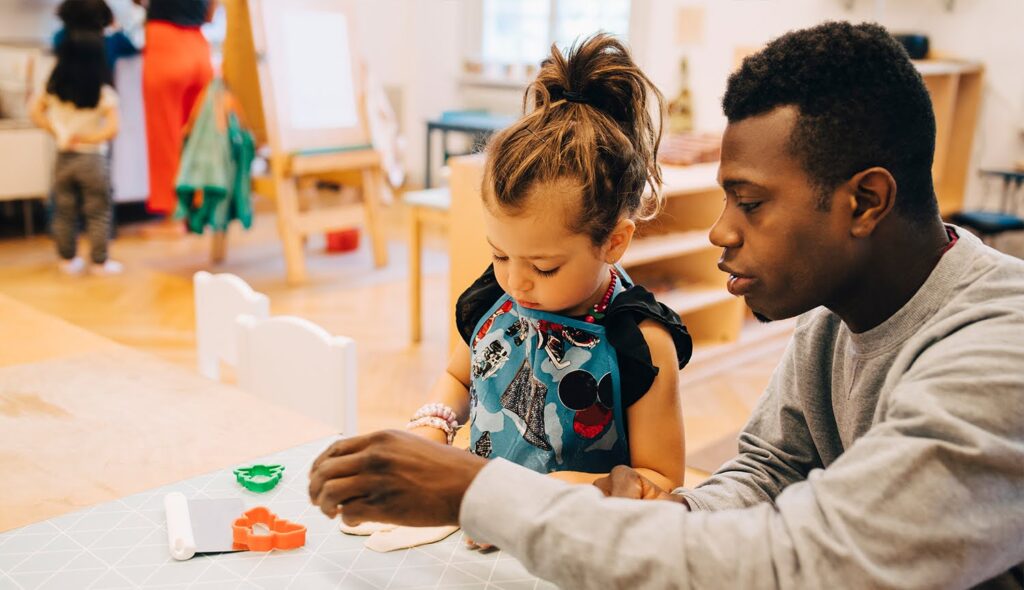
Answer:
(775, 447)
(928, 498)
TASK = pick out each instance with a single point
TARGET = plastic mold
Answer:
(283, 534)
(259, 478)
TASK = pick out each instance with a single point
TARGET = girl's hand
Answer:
(625, 482)
(479, 546)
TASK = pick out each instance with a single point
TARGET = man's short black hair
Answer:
(861, 103)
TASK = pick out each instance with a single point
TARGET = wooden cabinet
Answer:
(28, 151)
(955, 88)
(670, 255)
(468, 252)
(673, 257)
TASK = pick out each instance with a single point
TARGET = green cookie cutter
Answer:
(259, 478)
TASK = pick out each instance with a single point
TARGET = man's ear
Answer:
(619, 240)
(872, 197)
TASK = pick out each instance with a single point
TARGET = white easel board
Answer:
(309, 74)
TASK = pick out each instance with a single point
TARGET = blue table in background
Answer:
(479, 124)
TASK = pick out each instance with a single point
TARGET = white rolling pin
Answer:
(179, 526)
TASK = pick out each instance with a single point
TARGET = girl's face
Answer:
(539, 261)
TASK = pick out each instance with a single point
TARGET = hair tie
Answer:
(571, 96)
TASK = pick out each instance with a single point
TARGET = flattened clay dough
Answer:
(405, 537)
(365, 529)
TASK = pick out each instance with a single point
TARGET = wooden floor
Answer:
(149, 307)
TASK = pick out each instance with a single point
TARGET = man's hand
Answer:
(392, 476)
(625, 482)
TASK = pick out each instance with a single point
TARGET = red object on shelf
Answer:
(345, 240)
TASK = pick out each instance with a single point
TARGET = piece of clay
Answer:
(365, 529)
(405, 537)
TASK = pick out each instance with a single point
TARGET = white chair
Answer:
(219, 299)
(295, 363)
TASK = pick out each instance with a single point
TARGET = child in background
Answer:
(568, 368)
(79, 107)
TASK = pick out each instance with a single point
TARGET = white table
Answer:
(84, 420)
(123, 544)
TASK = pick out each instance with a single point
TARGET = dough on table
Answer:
(405, 537)
(365, 529)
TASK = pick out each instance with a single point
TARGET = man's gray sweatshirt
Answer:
(893, 458)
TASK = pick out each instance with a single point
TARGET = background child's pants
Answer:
(86, 176)
(175, 69)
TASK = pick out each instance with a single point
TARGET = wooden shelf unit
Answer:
(955, 88)
(653, 248)
(671, 255)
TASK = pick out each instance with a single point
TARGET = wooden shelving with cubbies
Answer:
(661, 247)
(673, 257)
(955, 88)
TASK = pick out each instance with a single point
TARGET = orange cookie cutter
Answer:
(284, 534)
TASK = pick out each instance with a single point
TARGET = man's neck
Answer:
(903, 256)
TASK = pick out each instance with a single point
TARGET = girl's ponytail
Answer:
(588, 118)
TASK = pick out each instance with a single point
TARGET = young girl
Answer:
(79, 108)
(568, 368)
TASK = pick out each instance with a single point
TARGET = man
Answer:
(888, 449)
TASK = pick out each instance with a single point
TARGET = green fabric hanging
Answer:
(216, 162)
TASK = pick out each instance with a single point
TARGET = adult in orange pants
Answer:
(176, 68)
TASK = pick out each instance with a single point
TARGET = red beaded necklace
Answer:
(596, 312)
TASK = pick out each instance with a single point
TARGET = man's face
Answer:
(783, 253)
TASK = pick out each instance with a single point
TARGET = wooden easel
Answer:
(299, 156)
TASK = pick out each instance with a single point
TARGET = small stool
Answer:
(428, 206)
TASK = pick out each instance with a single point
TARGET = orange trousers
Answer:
(175, 69)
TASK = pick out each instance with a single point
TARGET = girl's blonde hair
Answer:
(587, 118)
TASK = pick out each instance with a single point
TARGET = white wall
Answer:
(987, 31)
(984, 30)
(29, 22)
(728, 24)
(415, 50)
(413, 46)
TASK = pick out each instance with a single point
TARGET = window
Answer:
(522, 31)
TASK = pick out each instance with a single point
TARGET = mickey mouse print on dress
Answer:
(535, 399)
(549, 391)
